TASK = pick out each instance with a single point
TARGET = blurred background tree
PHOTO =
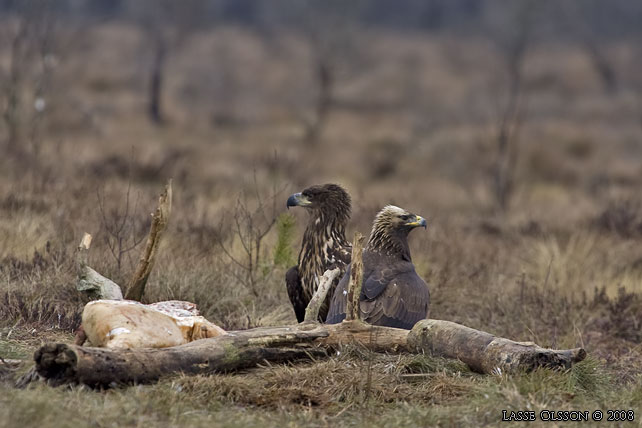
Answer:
(394, 80)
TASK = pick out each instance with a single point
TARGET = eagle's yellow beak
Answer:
(419, 221)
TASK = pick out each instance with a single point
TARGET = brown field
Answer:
(414, 125)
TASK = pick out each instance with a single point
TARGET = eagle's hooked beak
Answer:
(297, 200)
(419, 221)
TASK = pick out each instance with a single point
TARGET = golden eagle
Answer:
(324, 244)
(392, 293)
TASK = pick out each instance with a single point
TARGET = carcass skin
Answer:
(129, 324)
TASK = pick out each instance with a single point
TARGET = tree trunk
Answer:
(325, 78)
(156, 82)
(11, 114)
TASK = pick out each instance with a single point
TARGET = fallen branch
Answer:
(314, 306)
(61, 363)
(136, 288)
(484, 352)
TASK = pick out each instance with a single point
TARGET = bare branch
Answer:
(159, 224)
(356, 278)
(312, 311)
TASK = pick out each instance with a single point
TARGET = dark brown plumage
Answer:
(324, 244)
(392, 293)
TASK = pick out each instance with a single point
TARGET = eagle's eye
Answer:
(405, 217)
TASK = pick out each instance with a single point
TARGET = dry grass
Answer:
(330, 392)
(563, 267)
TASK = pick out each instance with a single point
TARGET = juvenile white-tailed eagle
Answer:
(392, 293)
(324, 244)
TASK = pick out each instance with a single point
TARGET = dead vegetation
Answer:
(340, 381)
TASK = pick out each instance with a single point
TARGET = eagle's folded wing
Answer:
(404, 301)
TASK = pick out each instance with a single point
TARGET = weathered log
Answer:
(160, 218)
(484, 352)
(91, 282)
(61, 363)
(374, 337)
